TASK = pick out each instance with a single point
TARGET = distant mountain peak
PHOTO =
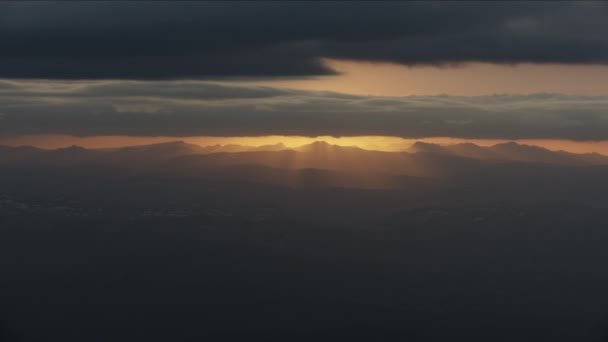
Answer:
(323, 146)
(513, 145)
(467, 144)
(320, 143)
(270, 147)
(421, 146)
(509, 143)
(71, 148)
(163, 149)
(174, 143)
(315, 145)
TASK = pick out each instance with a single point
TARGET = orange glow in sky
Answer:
(473, 79)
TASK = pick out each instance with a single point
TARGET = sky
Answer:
(108, 73)
(471, 79)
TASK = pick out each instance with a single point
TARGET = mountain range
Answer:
(509, 151)
(321, 164)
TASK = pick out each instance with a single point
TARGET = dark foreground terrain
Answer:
(96, 253)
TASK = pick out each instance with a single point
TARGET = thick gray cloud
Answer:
(202, 108)
(190, 40)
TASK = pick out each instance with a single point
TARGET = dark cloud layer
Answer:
(202, 108)
(168, 40)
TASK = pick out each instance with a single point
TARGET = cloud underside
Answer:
(193, 40)
(195, 108)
